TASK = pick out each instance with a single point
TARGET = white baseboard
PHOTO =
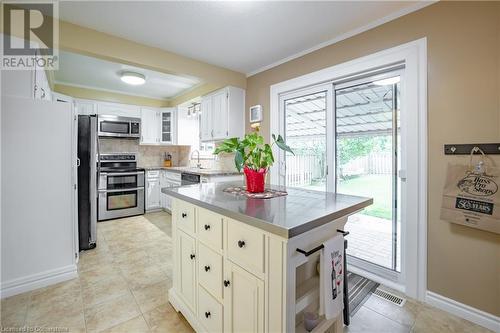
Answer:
(38, 280)
(467, 312)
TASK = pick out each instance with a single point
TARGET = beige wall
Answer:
(463, 106)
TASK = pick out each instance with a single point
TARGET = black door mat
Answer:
(360, 289)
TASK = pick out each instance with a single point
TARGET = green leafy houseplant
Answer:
(253, 156)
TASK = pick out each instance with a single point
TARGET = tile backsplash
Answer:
(152, 156)
(148, 156)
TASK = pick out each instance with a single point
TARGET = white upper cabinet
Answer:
(150, 128)
(85, 107)
(158, 126)
(115, 109)
(26, 83)
(223, 114)
(206, 130)
(220, 101)
(167, 126)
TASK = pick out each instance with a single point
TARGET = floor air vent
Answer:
(389, 297)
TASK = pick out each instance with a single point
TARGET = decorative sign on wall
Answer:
(471, 195)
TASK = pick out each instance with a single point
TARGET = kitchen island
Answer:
(236, 265)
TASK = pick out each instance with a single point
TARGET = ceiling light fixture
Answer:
(133, 78)
(385, 82)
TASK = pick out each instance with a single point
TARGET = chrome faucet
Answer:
(198, 165)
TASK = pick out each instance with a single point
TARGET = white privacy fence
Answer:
(379, 163)
(305, 169)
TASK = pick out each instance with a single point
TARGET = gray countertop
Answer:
(196, 171)
(286, 216)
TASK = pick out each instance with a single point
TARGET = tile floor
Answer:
(122, 287)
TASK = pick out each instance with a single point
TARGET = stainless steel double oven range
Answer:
(120, 186)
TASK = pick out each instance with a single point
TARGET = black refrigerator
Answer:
(88, 151)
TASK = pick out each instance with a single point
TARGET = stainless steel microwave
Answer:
(119, 127)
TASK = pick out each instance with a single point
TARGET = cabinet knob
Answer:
(184, 215)
(207, 227)
(241, 243)
(192, 256)
(226, 283)
(207, 314)
(207, 268)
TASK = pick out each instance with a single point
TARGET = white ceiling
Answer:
(88, 72)
(245, 36)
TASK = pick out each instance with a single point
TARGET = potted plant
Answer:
(253, 156)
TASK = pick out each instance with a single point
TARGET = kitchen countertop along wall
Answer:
(148, 156)
(152, 156)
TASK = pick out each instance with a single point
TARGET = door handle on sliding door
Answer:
(402, 175)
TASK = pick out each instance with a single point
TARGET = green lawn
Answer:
(377, 187)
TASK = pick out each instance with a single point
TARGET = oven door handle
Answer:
(112, 174)
(122, 190)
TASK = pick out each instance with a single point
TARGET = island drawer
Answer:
(245, 246)
(185, 216)
(210, 270)
(210, 228)
(210, 312)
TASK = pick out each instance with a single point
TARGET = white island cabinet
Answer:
(236, 268)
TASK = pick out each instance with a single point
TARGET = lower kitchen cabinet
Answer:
(153, 190)
(234, 276)
(215, 293)
(187, 269)
(243, 300)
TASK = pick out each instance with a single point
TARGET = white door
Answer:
(187, 269)
(243, 300)
(149, 126)
(206, 130)
(153, 193)
(220, 115)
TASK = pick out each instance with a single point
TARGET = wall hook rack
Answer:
(465, 149)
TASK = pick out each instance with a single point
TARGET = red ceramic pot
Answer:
(255, 180)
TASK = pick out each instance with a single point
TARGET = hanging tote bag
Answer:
(471, 195)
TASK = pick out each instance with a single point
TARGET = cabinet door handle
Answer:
(212, 133)
(241, 243)
(184, 215)
(207, 227)
(207, 314)
(207, 268)
(192, 256)
(226, 283)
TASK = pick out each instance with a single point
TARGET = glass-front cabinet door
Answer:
(167, 135)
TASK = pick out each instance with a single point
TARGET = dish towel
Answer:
(332, 276)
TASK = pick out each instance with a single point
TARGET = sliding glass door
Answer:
(367, 130)
(347, 139)
(307, 115)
